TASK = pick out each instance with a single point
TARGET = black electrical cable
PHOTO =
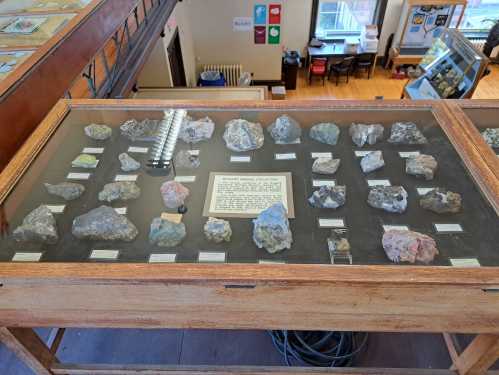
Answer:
(316, 348)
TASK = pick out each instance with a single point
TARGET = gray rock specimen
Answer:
(98, 132)
(388, 198)
(242, 135)
(441, 201)
(285, 130)
(67, 190)
(406, 133)
(119, 191)
(174, 194)
(38, 226)
(134, 130)
(366, 134)
(325, 165)
(271, 229)
(184, 159)
(166, 233)
(85, 161)
(194, 131)
(372, 161)
(491, 136)
(421, 166)
(409, 246)
(104, 223)
(325, 132)
(128, 164)
(217, 230)
(328, 197)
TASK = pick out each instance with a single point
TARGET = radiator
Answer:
(231, 72)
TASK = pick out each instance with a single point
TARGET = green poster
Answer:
(274, 34)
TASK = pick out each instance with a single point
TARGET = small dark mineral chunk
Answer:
(38, 226)
(421, 166)
(328, 197)
(122, 190)
(325, 133)
(66, 190)
(366, 134)
(388, 198)
(406, 133)
(441, 201)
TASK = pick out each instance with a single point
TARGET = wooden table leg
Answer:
(28, 346)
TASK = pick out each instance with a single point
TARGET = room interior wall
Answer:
(390, 23)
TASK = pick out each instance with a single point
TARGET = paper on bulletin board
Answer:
(424, 24)
(242, 24)
(274, 14)
(274, 34)
(260, 14)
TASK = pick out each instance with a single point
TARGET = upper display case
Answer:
(33, 6)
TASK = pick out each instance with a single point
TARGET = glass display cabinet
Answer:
(33, 6)
(10, 60)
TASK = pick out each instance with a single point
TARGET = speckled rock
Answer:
(325, 133)
(328, 197)
(421, 166)
(372, 161)
(39, 226)
(409, 246)
(67, 190)
(388, 198)
(217, 230)
(194, 131)
(441, 201)
(85, 161)
(122, 191)
(271, 229)
(491, 136)
(98, 132)
(184, 159)
(366, 134)
(285, 130)
(174, 194)
(135, 130)
(128, 164)
(325, 166)
(104, 223)
(166, 233)
(242, 135)
(406, 133)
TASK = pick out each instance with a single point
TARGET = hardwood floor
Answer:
(379, 85)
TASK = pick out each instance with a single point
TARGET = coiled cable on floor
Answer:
(317, 348)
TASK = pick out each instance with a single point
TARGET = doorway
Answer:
(176, 61)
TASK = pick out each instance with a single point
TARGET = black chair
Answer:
(344, 67)
(364, 62)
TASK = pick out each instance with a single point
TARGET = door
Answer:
(176, 61)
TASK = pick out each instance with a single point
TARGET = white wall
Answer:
(390, 23)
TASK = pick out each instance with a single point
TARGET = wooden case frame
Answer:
(265, 296)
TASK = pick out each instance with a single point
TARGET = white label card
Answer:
(263, 261)
(386, 228)
(104, 254)
(163, 258)
(423, 191)
(93, 150)
(287, 156)
(361, 154)
(379, 183)
(138, 150)
(464, 262)
(408, 154)
(448, 228)
(211, 256)
(331, 223)
(185, 178)
(121, 210)
(240, 159)
(194, 152)
(26, 257)
(316, 155)
(318, 183)
(78, 176)
(126, 177)
(56, 209)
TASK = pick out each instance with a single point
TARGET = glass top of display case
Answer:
(319, 235)
(484, 118)
(31, 6)
(10, 60)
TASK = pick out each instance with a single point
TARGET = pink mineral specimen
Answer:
(409, 246)
(174, 194)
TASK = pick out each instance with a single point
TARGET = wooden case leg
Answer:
(28, 346)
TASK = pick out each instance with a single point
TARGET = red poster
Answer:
(260, 34)
(274, 14)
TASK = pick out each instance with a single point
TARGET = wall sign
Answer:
(274, 34)
(260, 14)
(274, 14)
(260, 34)
(242, 24)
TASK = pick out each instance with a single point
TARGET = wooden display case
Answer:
(306, 293)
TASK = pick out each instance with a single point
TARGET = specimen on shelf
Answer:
(166, 233)
(174, 194)
(104, 223)
(128, 164)
(372, 161)
(242, 135)
(139, 130)
(39, 226)
(119, 191)
(388, 198)
(271, 229)
(98, 132)
(67, 190)
(328, 197)
(325, 166)
(441, 200)
(366, 134)
(85, 161)
(217, 230)
(285, 130)
(409, 246)
(194, 131)
(185, 159)
(491, 136)
(421, 166)
(406, 133)
(338, 243)
(325, 133)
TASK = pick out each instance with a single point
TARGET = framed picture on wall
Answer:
(274, 14)
(274, 34)
(260, 14)
(260, 34)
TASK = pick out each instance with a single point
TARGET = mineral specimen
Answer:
(85, 161)
(325, 165)
(122, 190)
(325, 132)
(196, 131)
(338, 243)
(362, 134)
(184, 159)
(98, 132)
(372, 161)
(242, 135)
(66, 190)
(104, 223)
(406, 133)
(491, 136)
(174, 194)
(166, 233)
(421, 166)
(388, 198)
(285, 130)
(271, 229)
(328, 197)
(38, 226)
(217, 230)
(441, 201)
(133, 129)
(409, 246)
(128, 163)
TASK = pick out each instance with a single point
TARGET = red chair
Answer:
(318, 67)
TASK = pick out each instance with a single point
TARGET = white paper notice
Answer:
(448, 228)
(56, 209)
(138, 150)
(27, 257)
(408, 154)
(93, 150)
(331, 223)
(423, 191)
(386, 228)
(287, 156)
(361, 154)
(163, 258)
(194, 152)
(316, 155)
(78, 176)
(464, 262)
(104, 254)
(319, 183)
(126, 177)
(242, 24)
(185, 178)
(240, 159)
(207, 256)
(379, 183)
(263, 261)
(121, 210)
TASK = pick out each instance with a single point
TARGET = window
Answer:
(343, 17)
(479, 15)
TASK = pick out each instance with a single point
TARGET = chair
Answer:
(342, 68)
(364, 62)
(318, 67)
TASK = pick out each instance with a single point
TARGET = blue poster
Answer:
(260, 14)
